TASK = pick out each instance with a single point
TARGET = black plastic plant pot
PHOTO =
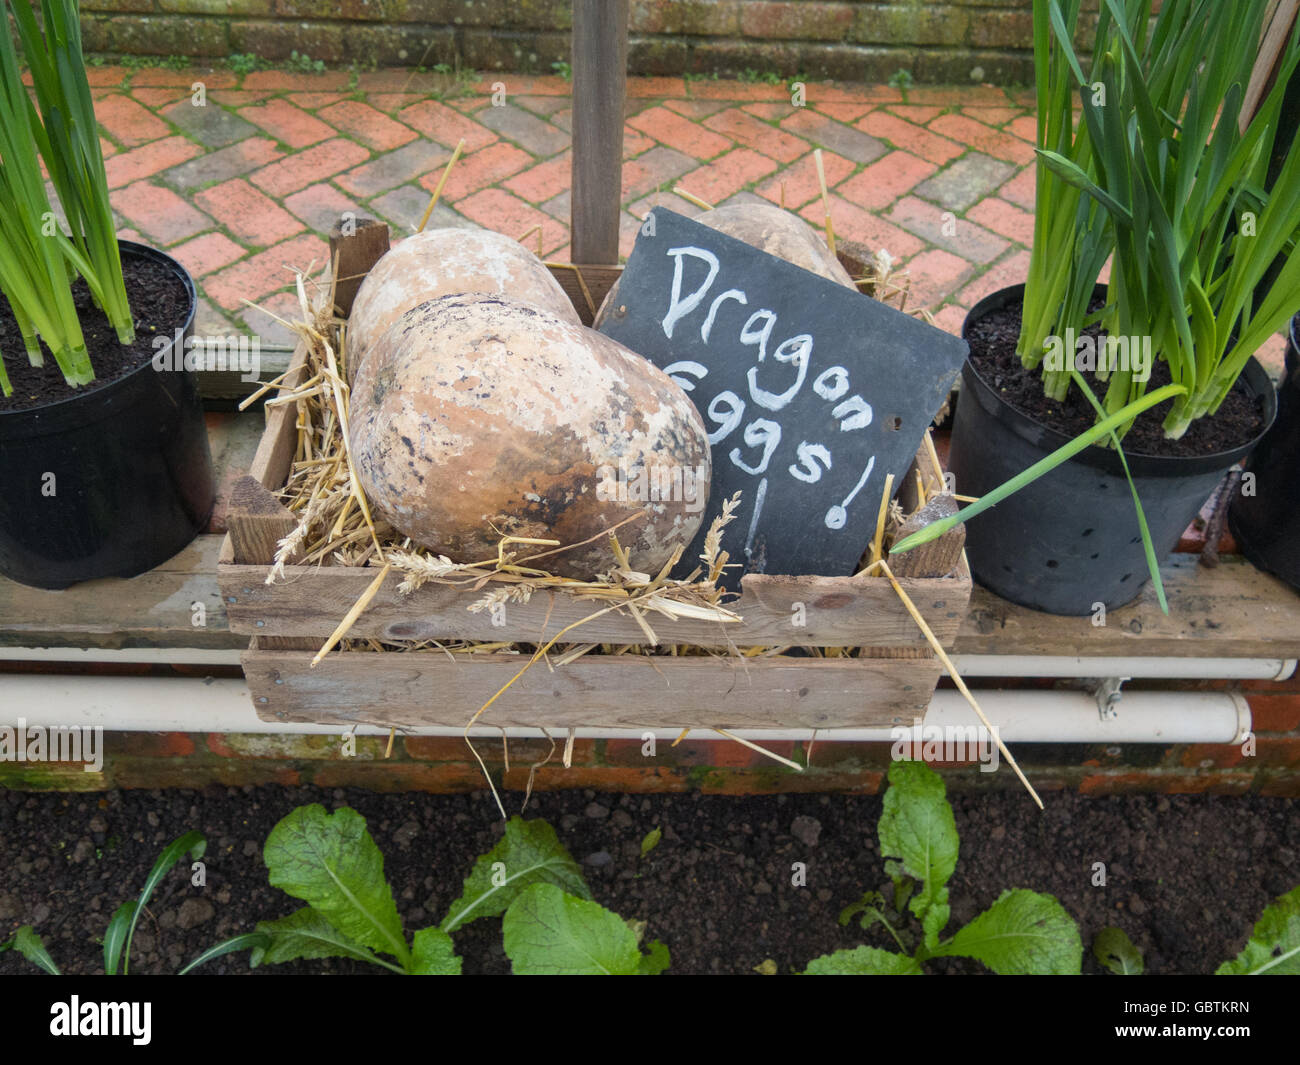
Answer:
(111, 482)
(1265, 514)
(1071, 540)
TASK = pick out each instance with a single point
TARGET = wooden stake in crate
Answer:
(355, 246)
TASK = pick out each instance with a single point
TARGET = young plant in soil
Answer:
(550, 924)
(1273, 948)
(1274, 945)
(1113, 949)
(1022, 933)
(121, 926)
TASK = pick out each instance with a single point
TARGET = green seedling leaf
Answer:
(656, 961)
(32, 947)
(248, 941)
(651, 840)
(870, 908)
(529, 853)
(192, 843)
(308, 934)
(1113, 948)
(903, 888)
(1274, 946)
(434, 954)
(917, 828)
(863, 961)
(1023, 933)
(934, 917)
(550, 933)
(331, 862)
(115, 936)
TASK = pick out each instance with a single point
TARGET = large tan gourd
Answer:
(442, 262)
(769, 229)
(477, 417)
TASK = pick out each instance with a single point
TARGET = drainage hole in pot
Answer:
(1136, 540)
(1086, 532)
(895, 423)
(1095, 557)
(1125, 577)
(1052, 563)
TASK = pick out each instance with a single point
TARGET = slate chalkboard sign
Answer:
(812, 393)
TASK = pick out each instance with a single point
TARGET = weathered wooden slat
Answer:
(270, 466)
(155, 609)
(229, 385)
(834, 611)
(287, 643)
(233, 440)
(1233, 611)
(426, 688)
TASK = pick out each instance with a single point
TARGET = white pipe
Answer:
(1152, 668)
(185, 704)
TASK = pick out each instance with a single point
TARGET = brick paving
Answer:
(242, 188)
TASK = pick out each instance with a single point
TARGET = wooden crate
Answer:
(891, 683)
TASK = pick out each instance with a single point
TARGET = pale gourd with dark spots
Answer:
(478, 417)
(442, 262)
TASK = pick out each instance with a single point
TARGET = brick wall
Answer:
(193, 760)
(954, 41)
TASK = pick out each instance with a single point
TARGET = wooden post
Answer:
(599, 85)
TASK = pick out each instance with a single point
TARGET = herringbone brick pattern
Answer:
(242, 188)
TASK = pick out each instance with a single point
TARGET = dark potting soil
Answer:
(993, 340)
(1186, 876)
(159, 302)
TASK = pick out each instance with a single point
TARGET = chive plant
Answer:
(1159, 169)
(1163, 150)
(1073, 233)
(1194, 232)
(38, 261)
(71, 150)
(34, 261)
